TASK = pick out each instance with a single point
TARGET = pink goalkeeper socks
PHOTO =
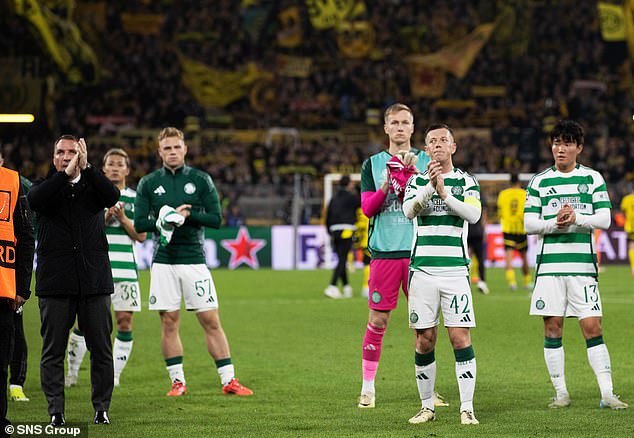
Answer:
(371, 351)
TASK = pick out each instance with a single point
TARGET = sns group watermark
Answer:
(45, 430)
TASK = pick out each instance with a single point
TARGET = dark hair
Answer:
(65, 137)
(435, 126)
(514, 178)
(568, 131)
(344, 181)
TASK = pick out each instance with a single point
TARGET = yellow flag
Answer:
(457, 58)
(62, 40)
(426, 81)
(290, 33)
(217, 88)
(612, 22)
(355, 38)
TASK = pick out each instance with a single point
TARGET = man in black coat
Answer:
(340, 219)
(73, 276)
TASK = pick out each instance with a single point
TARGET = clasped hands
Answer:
(79, 162)
(434, 171)
(566, 216)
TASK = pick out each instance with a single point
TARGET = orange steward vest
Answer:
(9, 192)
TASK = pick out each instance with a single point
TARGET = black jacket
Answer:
(72, 250)
(342, 209)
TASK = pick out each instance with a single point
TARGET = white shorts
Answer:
(126, 296)
(169, 284)
(428, 295)
(566, 296)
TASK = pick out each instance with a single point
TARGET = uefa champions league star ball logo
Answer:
(189, 188)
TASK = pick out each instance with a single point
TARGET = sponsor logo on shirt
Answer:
(159, 190)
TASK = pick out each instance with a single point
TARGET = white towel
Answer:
(168, 218)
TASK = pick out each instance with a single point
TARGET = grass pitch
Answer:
(301, 354)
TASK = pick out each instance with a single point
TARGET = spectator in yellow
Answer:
(511, 214)
(627, 207)
(361, 243)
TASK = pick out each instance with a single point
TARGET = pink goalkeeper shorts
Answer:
(387, 276)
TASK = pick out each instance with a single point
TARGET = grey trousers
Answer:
(57, 315)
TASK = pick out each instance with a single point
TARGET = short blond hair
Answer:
(396, 108)
(119, 152)
(170, 131)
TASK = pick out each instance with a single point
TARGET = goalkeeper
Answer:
(383, 179)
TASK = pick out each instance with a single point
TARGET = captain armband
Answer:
(473, 201)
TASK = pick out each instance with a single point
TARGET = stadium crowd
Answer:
(541, 68)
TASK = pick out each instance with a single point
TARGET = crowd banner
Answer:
(293, 66)
(325, 14)
(144, 24)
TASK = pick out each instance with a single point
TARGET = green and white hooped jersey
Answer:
(440, 235)
(572, 251)
(390, 232)
(120, 249)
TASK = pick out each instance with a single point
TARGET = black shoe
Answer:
(58, 419)
(101, 417)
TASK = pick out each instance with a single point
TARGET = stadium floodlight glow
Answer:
(17, 118)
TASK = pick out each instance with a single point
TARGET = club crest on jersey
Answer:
(582, 188)
(540, 304)
(376, 297)
(413, 317)
(456, 190)
(189, 188)
(159, 191)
